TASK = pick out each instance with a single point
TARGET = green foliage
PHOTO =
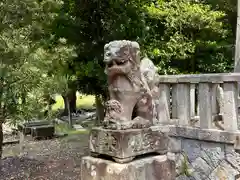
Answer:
(184, 168)
(179, 36)
(90, 25)
(193, 37)
(29, 51)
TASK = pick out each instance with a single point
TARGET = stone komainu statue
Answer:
(132, 87)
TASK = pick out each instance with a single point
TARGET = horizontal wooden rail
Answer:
(197, 78)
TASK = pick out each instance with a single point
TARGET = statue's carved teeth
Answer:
(120, 63)
(115, 63)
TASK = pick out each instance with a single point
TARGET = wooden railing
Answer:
(201, 100)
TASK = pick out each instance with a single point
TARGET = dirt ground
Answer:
(56, 159)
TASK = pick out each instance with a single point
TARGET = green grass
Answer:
(64, 128)
(83, 101)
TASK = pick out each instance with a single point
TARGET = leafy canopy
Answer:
(179, 36)
(29, 51)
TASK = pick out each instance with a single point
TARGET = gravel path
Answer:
(56, 159)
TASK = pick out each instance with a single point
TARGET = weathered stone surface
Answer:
(195, 133)
(133, 87)
(42, 131)
(148, 168)
(230, 106)
(237, 177)
(192, 148)
(25, 127)
(163, 104)
(234, 160)
(205, 105)
(212, 153)
(181, 103)
(175, 145)
(149, 75)
(171, 156)
(229, 148)
(201, 169)
(184, 177)
(207, 160)
(197, 78)
(123, 144)
(223, 171)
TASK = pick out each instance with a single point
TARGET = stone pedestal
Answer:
(124, 145)
(147, 168)
(132, 154)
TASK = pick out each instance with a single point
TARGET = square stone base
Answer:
(125, 145)
(148, 168)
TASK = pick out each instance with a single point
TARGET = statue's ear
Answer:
(143, 55)
(138, 57)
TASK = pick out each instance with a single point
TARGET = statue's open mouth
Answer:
(114, 63)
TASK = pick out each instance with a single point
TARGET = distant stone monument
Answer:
(128, 146)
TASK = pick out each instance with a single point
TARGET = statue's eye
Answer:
(108, 54)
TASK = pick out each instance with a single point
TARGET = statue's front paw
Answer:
(105, 123)
(117, 124)
(140, 123)
(126, 125)
(110, 124)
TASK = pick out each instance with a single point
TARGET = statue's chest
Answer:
(123, 84)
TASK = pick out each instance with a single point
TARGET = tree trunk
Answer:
(23, 98)
(70, 99)
(49, 101)
(70, 123)
(99, 109)
(1, 139)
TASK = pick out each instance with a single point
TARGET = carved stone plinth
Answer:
(124, 145)
(148, 168)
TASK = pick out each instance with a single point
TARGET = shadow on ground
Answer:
(19, 167)
(57, 159)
